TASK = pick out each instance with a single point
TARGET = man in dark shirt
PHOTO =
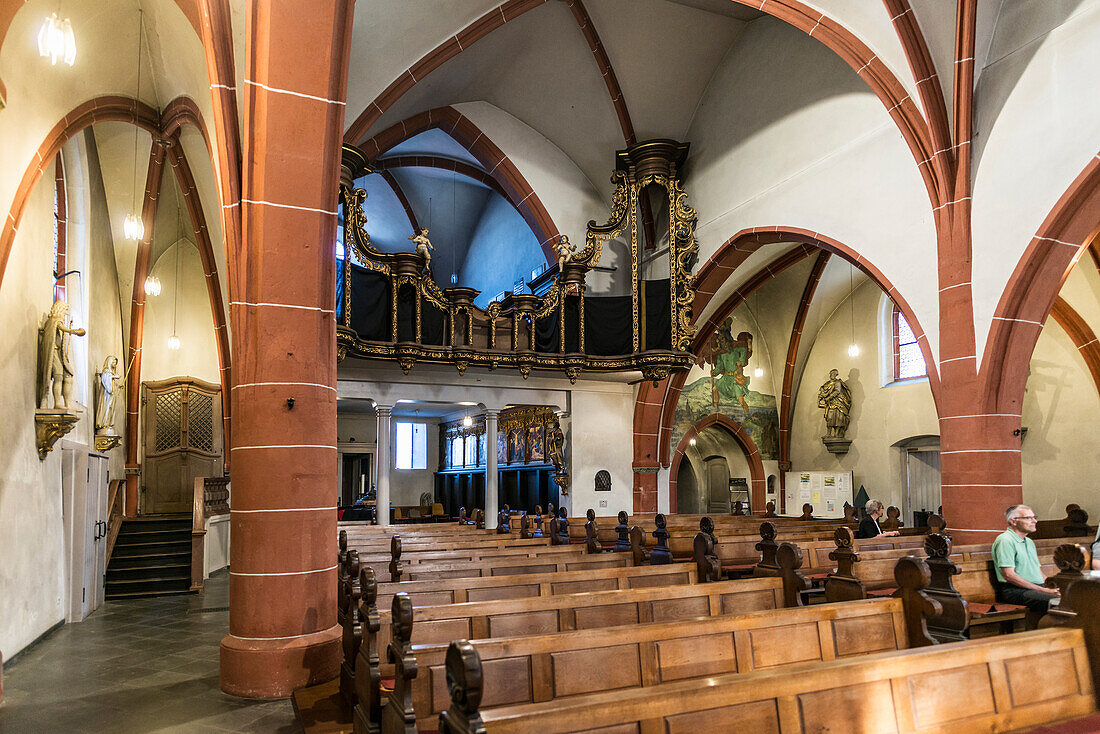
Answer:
(868, 526)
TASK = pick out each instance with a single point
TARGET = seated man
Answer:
(868, 526)
(1016, 563)
(1096, 552)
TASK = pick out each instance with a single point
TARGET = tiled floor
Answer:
(146, 665)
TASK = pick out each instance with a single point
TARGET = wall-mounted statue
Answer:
(555, 451)
(107, 384)
(423, 246)
(55, 367)
(836, 398)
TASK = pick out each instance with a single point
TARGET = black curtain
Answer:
(608, 327)
(406, 313)
(433, 323)
(370, 304)
(658, 314)
(546, 328)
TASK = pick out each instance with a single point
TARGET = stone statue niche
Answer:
(835, 397)
(108, 389)
(54, 378)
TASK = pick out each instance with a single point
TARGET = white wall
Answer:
(1037, 125)
(32, 570)
(601, 437)
(880, 417)
(198, 353)
(1062, 413)
(795, 139)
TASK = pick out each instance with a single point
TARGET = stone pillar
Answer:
(383, 461)
(491, 473)
(283, 633)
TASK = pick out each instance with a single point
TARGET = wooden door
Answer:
(183, 441)
(922, 473)
(97, 515)
(718, 484)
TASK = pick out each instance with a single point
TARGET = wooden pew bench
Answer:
(1001, 684)
(392, 633)
(361, 595)
(565, 612)
(434, 592)
(546, 667)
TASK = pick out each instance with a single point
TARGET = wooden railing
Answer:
(116, 505)
(211, 498)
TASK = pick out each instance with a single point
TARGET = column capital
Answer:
(383, 410)
(492, 412)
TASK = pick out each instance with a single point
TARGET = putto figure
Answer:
(55, 368)
(565, 252)
(835, 397)
(423, 246)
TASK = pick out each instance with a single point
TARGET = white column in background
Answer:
(491, 473)
(384, 461)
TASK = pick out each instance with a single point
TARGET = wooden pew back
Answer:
(545, 667)
(1004, 683)
(480, 620)
(435, 592)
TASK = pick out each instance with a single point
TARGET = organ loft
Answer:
(556, 365)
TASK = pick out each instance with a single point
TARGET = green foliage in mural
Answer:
(728, 390)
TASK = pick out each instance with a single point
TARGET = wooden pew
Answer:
(1001, 684)
(566, 612)
(575, 561)
(361, 595)
(434, 592)
(546, 667)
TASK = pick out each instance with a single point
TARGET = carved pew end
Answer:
(465, 682)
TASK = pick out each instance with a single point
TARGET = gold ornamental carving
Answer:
(504, 333)
(50, 425)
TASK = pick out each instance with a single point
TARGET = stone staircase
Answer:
(152, 557)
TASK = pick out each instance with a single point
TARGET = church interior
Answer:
(515, 365)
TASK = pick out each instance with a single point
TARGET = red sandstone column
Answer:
(282, 619)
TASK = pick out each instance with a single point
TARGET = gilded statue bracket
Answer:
(50, 426)
(104, 443)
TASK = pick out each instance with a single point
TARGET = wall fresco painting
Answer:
(726, 388)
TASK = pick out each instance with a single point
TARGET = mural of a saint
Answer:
(728, 358)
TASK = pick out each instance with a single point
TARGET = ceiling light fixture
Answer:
(152, 286)
(56, 41)
(133, 227)
(691, 442)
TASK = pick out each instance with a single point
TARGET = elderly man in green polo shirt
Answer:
(1019, 576)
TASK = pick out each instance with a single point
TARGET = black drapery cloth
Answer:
(370, 304)
(608, 325)
(433, 323)
(658, 314)
(433, 320)
(406, 313)
(546, 329)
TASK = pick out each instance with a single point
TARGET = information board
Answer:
(826, 491)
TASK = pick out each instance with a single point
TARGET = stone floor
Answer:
(144, 665)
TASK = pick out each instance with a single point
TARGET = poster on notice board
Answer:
(826, 491)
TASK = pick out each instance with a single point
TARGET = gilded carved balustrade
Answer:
(430, 324)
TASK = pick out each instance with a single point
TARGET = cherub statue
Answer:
(55, 368)
(565, 252)
(423, 246)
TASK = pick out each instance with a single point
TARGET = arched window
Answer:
(60, 221)
(908, 360)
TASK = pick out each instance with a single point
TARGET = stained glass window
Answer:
(908, 359)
